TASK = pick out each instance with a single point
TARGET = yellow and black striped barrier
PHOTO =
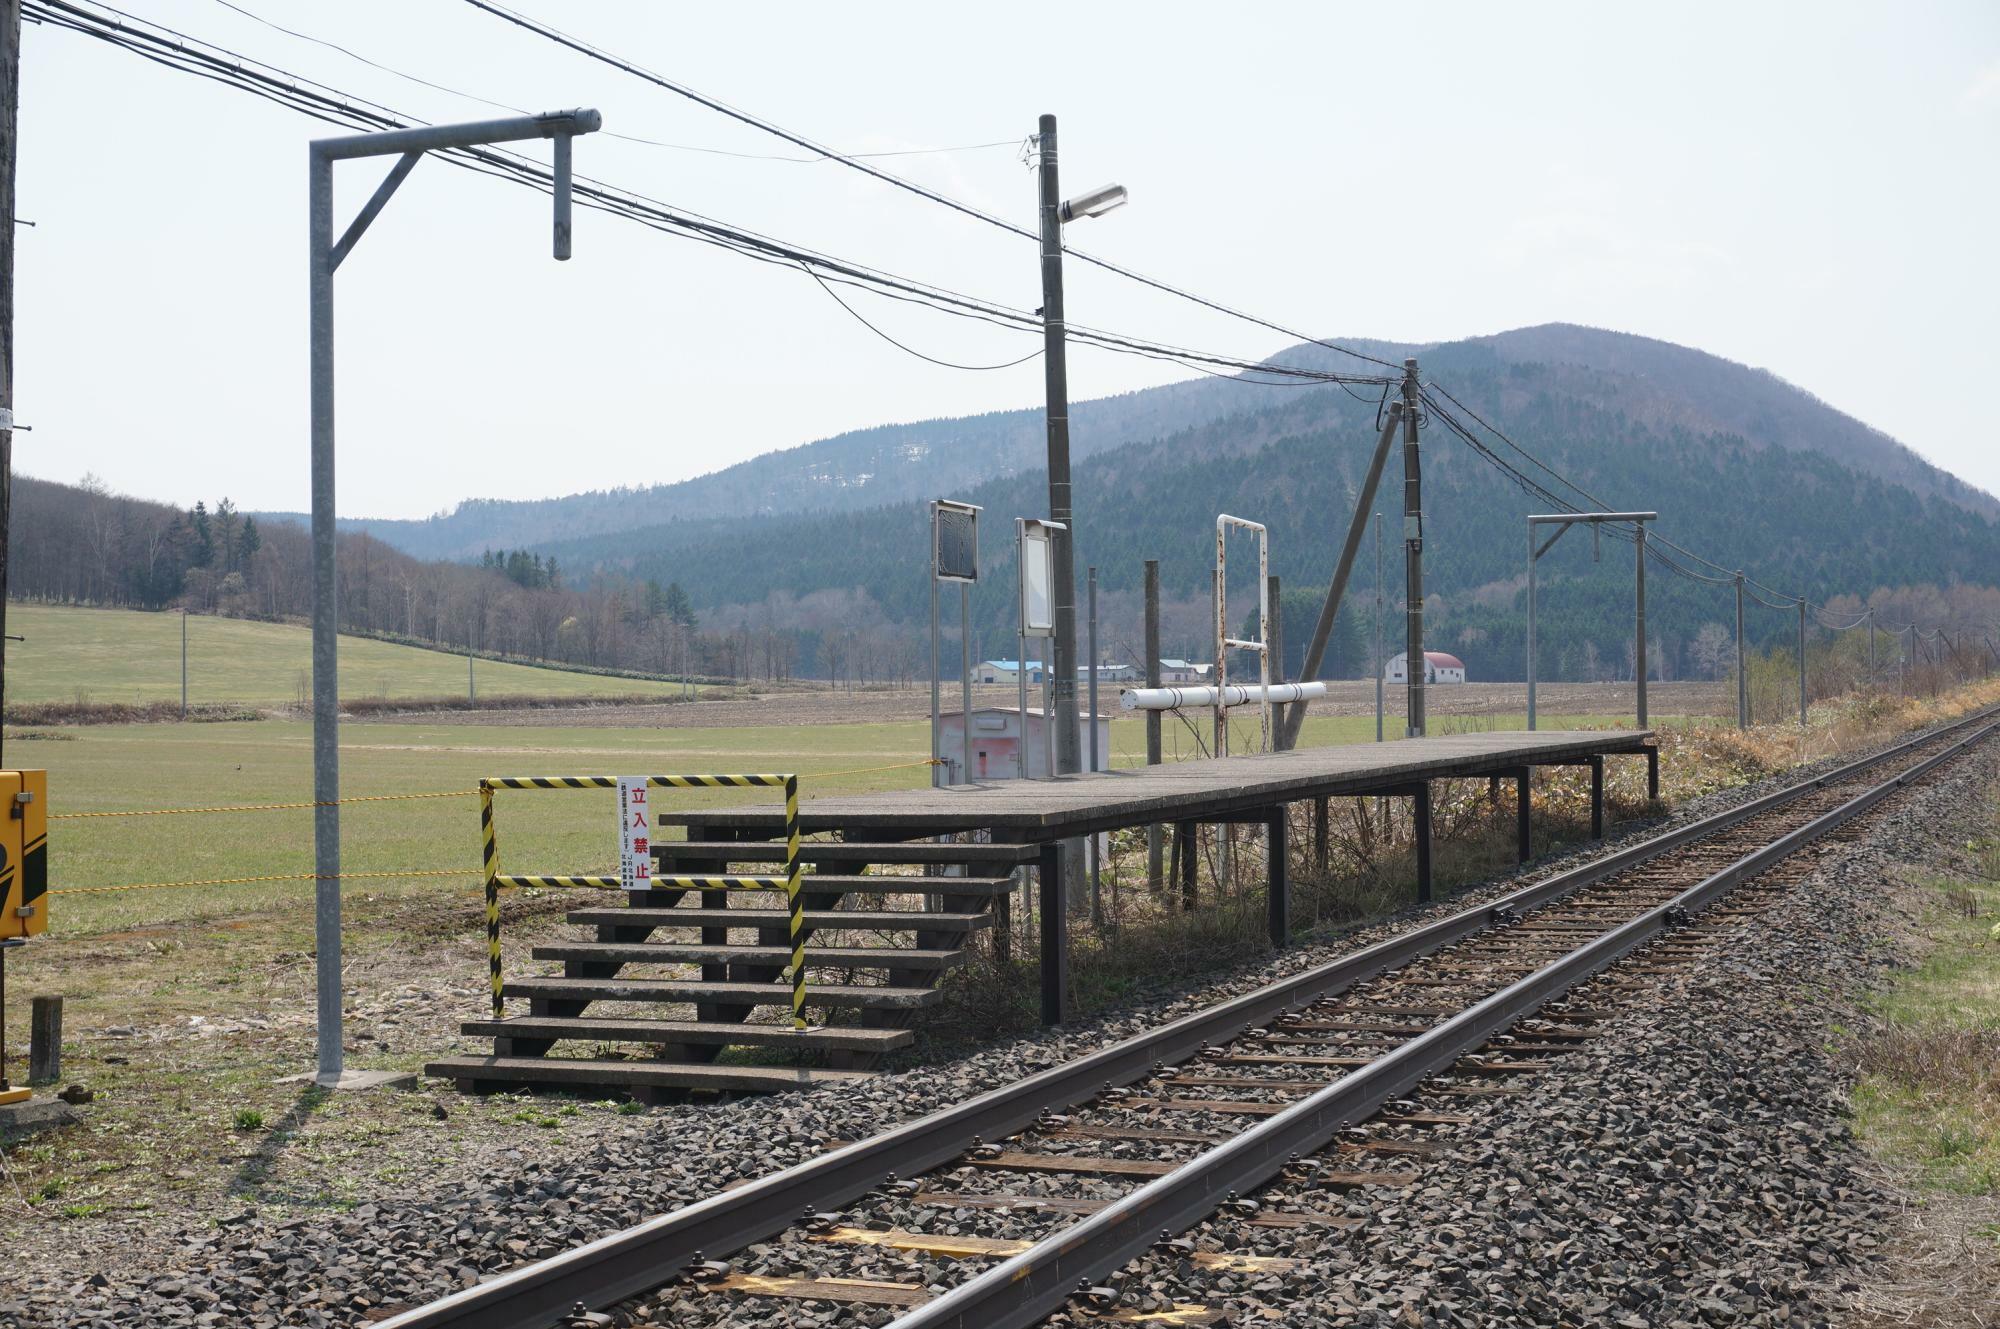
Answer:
(788, 882)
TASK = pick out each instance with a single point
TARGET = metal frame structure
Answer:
(324, 255)
(1021, 1290)
(788, 882)
(1224, 643)
(1562, 521)
(937, 506)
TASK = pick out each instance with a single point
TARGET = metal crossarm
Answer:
(788, 881)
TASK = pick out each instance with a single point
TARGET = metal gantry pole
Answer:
(1533, 558)
(1380, 663)
(965, 680)
(324, 254)
(1639, 633)
(1413, 557)
(937, 722)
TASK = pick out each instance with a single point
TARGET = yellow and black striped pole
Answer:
(792, 894)
(789, 882)
(492, 867)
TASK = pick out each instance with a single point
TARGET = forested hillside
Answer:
(1797, 519)
(825, 572)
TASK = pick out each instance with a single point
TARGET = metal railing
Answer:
(788, 882)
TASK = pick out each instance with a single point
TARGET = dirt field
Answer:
(808, 706)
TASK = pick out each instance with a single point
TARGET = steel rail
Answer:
(640, 1258)
(1021, 1291)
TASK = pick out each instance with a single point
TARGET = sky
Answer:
(1805, 187)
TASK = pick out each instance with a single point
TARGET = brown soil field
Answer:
(800, 705)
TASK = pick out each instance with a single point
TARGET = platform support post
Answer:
(45, 1040)
(1597, 798)
(1524, 836)
(1321, 836)
(1186, 834)
(1279, 888)
(1652, 775)
(1421, 818)
(1055, 934)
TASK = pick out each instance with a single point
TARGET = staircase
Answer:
(680, 1033)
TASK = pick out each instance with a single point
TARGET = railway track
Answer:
(1277, 1113)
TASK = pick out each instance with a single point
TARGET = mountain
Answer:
(1742, 467)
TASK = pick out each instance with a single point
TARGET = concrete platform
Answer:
(1027, 811)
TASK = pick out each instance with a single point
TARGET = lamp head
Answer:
(1093, 204)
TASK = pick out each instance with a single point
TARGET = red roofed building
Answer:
(1438, 668)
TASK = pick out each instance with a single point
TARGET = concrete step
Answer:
(674, 952)
(490, 1073)
(854, 920)
(843, 995)
(605, 1029)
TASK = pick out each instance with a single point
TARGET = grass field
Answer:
(122, 768)
(122, 655)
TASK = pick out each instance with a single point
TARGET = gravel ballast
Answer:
(1691, 1167)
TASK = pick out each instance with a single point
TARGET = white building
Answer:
(1184, 671)
(1438, 668)
(997, 743)
(1110, 673)
(1006, 671)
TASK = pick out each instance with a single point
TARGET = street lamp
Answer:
(1062, 662)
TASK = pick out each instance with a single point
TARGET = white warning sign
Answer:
(635, 834)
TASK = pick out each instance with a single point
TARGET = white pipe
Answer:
(1234, 694)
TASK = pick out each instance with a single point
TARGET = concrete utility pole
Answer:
(1742, 679)
(1802, 662)
(1062, 547)
(10, 113)
(1054, 212)
(1413, 558)
(324, 255)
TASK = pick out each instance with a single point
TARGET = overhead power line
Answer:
(609, 133)
(582, 47)
(188, 54)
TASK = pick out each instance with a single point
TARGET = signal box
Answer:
(24, 854)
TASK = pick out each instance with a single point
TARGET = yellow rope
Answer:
(265, 807)
(240, 881)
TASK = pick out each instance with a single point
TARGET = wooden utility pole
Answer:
(10, 104)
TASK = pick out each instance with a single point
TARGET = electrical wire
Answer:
(629, 138)
(948, 364)
(193, 55)
(582, 47)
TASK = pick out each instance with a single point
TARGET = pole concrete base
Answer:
(353, 1081)
(32, 1116)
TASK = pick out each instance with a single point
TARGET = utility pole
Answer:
(1055, 377)
(1413, 557)
(1742, 679)
(1639, 577)
(184, 662)
(1802, 662)
(10, 108)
